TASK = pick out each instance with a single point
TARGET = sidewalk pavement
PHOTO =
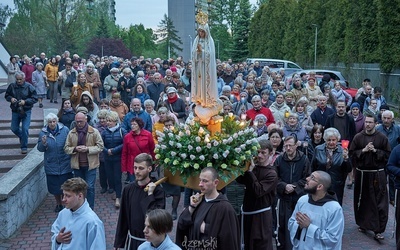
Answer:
(35, 234)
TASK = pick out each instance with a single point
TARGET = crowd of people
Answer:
(315, 140)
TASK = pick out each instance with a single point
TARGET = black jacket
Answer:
(24, 92)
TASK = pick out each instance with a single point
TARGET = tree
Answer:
(240, 31)
(108, 46)
(139, 40)
(168, 38)
(5, 14)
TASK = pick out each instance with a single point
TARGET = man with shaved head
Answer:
(317, 221)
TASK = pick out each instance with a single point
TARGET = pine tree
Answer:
(240, 31)
(168, 37)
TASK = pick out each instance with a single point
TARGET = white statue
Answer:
(204, 73)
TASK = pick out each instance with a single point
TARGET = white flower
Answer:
(230, 139)
(255, 134)
(209, 164)
(198, 139)
(198, 149)
(216, 143)
(178, 137)
(160, 139)
(188, 132)
(208, 145)
(170, 134)
(224, 141)
(241, 132)
(183, 156)
(202, 158)
(190, 147)
(192, 157)
(158, 146)
(225, 154)
(178, 145)
(235, 136)
(215, 156)
(160, 134)
(248, 142)
(173, 153)
(171, 143)
(181, 133)
(243, 146)
(224, 166)
(163, 147)
(238, 150)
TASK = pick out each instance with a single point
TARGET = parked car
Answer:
(276, 64)
(335, 76)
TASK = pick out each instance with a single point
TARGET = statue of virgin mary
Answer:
(204, 73)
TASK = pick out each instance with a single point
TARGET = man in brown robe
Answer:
(135, 203)
(370, 151)
(209, 222)
(260, 181)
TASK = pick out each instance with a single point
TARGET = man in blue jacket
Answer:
(137, 111)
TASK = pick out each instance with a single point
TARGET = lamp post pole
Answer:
(191, 42)
(217, 49)
(315, 45)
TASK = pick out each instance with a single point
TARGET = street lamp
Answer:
(217, 48)
(191, 42)
(315, 44)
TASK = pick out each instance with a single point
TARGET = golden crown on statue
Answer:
(201, 18)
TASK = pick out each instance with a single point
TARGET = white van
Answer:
(276, 64)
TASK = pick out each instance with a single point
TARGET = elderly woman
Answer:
(279, 109)
(162, 113)
(117, 105)
(260, 126)
(175, 104)
(56, 162)
(313, 92)
(295, 129)
(332, 158)
(357, 116)
(113, 137)
(304, 118)
(77, 90)
(137, 141)
(111, 83)
(125, 85)
(93, 78)
(12, 68)
(243, 105)
(39, 81)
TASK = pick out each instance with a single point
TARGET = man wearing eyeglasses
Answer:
(292, 167)
(22, 97)
(317, 221)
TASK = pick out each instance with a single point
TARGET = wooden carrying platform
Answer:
(193, 181)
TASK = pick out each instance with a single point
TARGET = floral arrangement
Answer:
(188, 148)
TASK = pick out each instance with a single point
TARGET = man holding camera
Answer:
(22, 97)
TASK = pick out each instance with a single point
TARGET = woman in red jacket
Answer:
(137, 141)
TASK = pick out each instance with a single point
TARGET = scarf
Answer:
(301, 115)
(279, 106)
(329, 157)
(173, 99)
(82, 134)
(53, 132)
(112, 129)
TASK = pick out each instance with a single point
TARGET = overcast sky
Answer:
(147, 12)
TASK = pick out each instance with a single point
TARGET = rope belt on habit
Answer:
(243, 213)
(362, 180)
(129, 239)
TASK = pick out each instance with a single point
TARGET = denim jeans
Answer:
(90, 177)
(23, 131)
